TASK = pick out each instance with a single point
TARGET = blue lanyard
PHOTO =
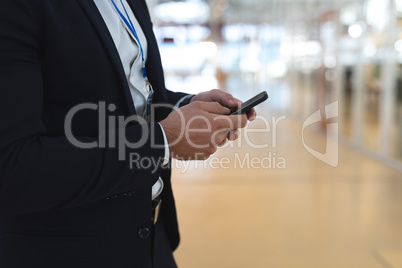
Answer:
(130, 25)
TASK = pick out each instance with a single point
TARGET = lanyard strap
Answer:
(130, 25)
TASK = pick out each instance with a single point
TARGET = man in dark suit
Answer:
(62, 205)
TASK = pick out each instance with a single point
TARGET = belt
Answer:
(156, 206)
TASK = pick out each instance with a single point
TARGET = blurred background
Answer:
(292, 210)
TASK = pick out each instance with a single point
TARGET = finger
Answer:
(233, 135)
(251, 115)
(222, 143)
(215, 108)
(220, 138)
(230, 122)
(225, 99)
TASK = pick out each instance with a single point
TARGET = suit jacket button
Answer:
(144, 232)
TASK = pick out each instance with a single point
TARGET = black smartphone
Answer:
(248, 105)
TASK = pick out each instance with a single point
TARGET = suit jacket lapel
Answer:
(96, 18)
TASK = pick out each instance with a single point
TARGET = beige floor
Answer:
(308, 214)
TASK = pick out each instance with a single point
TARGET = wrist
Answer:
(187, 100)
(192, 98)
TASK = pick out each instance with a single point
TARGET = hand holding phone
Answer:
(248, 105)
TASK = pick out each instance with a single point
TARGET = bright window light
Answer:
(370, 50)
(377, 13)
(398, 46)
(207, 49)
(183, 12)
(301, 49)
(349, 15)
(277, 69)
(330, 62)
(355, 30)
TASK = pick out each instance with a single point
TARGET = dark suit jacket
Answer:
(55, 54)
